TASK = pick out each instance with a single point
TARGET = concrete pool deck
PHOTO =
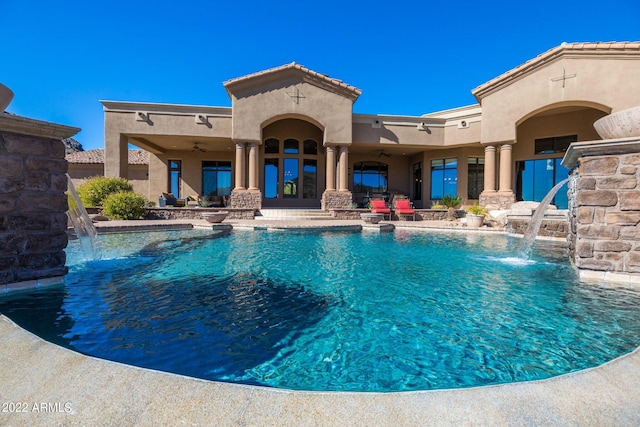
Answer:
(51, 385)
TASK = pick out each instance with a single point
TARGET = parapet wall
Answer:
(605, 211)
(33, 204)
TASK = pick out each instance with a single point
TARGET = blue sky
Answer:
(408, 57)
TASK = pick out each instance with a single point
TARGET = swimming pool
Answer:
(333, 311)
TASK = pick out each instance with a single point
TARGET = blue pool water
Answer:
(333, 310)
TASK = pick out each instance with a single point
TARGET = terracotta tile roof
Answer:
(136, 157)
(564, 48)
(301, 68)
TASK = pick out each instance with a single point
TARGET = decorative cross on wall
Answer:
(564, 77)
(296, 95)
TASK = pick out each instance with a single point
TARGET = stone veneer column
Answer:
(331, 168)
(604, 207)
(344, 167)
(253, 166)
(33, 203)
(505, 168)
(240, 166)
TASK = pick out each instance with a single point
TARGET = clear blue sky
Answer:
(408, 57)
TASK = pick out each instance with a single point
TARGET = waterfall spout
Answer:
(82, 224)
(536, 220)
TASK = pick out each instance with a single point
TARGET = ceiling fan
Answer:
(382, 153)
(197, 147)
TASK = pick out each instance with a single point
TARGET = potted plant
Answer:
(475, 215)
(451, 202)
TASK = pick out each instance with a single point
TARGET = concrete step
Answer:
(292, 214)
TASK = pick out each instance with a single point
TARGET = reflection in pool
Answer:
(333, 310)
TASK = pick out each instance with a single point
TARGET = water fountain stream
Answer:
(82, 224)
(536, 220)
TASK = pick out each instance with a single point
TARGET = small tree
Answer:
(451, 202)
(94, 192)
(125, 205)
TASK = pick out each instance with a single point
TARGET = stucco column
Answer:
(505, 168)
(344, 167)
(253, 166)
(240, 165)
(116, 155)
(331, 168)
(489, 168)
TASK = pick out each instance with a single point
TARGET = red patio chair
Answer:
(404, 208)
(380, 207)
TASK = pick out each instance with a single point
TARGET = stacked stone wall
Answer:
(33, 205)
(605, 217)
(497, 200)
(246, 199)
(196, 213)
(333, 199)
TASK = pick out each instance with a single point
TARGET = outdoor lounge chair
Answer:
(380, 207)
(403, 207)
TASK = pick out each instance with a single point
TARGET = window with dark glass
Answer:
(175, 173)
(291, 146)
(556, 144)
(272, 146)
(271, 178)
(291, 181)
(417, 181)
(216, 178)
(310, 179)
(475, 177)
(310, 147)
(444, 178)
(534, 179)
(370, 177)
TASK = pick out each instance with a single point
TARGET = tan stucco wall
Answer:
(257, 107)
(166, 123)
(599, 82)
(138, 176)
(578, 123)
(191, 170)
(461, 154)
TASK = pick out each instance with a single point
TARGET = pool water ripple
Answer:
(333, 310)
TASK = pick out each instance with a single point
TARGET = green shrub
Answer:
(94, 192)
(451, 201)
(125, 205)
(476, 209)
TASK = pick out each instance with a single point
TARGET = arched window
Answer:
(370, 177)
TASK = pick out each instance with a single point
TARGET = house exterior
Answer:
(291, 139)
(87, 164)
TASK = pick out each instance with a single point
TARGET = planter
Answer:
(215, 217)
(622, 124)
(6, 95)
(474, 221)
(371, 218)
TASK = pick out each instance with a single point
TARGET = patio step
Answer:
(292, 214)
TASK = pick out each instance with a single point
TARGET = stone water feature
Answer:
(33, 204)
(604, 209)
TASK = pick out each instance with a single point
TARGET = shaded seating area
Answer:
(380, 207)
(168, 199)
(403, 208)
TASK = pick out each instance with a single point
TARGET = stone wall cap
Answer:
(598, 148)
(27, 126)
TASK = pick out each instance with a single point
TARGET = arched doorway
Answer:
(293, 164)
(542, 140)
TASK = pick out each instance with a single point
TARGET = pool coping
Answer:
(59, 386)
